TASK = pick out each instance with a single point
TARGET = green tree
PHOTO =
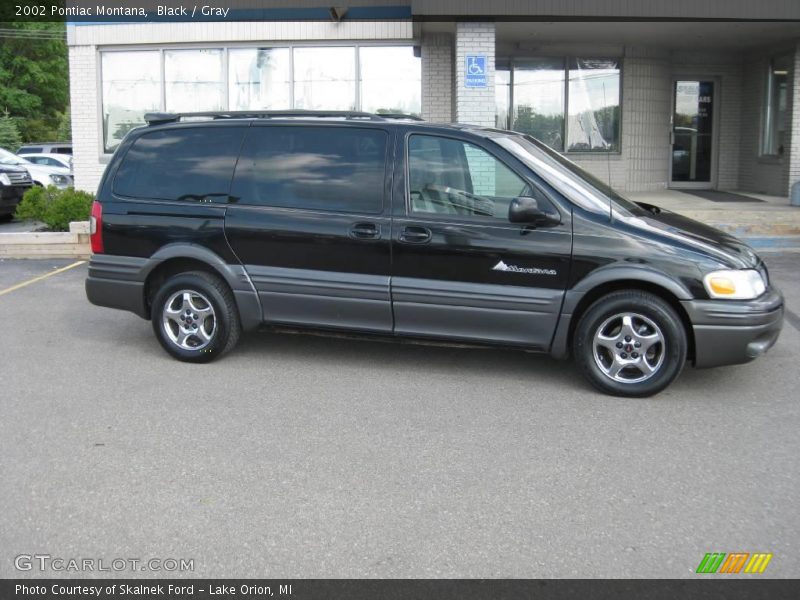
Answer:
(34, 76)
(64, 133)
(9, 134)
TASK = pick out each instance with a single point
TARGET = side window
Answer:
(339, 169)
(180, 164)
(451, 177)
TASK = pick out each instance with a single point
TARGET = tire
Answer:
(195, 317)
(611, 334)
(4, 218)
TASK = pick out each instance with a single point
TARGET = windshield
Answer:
(581, 187)
(8, 158)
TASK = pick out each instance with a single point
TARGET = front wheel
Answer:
(195, 318)
(630, 343)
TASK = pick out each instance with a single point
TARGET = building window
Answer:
(194, 80)
(325, 78)
(259, 78)
(502, 96)
(391, 79)
(131, 87)
(355, 77)
(571, 105)
(773, 138)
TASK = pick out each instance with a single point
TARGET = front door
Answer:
(309, 222)
(693, 134)
(460, 269)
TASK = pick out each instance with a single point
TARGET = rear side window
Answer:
(30, 149)
(190, 164)
(339, 169)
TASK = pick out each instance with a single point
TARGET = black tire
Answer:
(4, 218)
(207, 289)
(650, 318)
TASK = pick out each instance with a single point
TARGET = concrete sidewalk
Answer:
(769, 224)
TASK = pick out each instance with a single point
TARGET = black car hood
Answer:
(720, 245)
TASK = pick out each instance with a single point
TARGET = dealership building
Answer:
(647, 95)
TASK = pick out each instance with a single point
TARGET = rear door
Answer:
(309, 220)
(460, 269)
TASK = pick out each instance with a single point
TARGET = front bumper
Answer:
(733, 332)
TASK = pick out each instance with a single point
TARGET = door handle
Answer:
(365, 231)
(415, 235)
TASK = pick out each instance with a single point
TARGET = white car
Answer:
(41, 175)
(49, 160)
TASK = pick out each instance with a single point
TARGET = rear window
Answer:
(189, 164)
(339, 169)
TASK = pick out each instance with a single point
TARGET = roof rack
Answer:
(159, 118)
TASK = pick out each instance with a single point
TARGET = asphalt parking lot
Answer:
(304, 456)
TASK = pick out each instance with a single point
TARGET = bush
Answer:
(54, 207)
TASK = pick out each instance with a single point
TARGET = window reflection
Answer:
(593, 105)
(324, 78)
(502, 93)
(391, 80)
(131, 87)
(776, 106)
(539, 100)
(259, 78)
(194, 80)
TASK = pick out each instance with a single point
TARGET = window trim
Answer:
(225, 47)
(460, 219)
(511, 64)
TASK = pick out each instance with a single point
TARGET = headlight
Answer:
(735, 285)
(4, 180)
(59, 179)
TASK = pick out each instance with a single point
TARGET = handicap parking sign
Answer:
(475, 71)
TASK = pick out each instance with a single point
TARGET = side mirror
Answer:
(532, 211)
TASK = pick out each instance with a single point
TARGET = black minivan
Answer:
(210, 224)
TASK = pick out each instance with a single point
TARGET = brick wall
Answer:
(475, 105)
(84, 103)
(793, 171)
(437, 78)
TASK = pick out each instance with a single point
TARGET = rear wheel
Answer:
(630, 343)
(195, 318)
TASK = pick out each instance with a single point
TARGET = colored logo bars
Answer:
(716, 562)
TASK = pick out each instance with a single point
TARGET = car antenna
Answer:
(608, 162)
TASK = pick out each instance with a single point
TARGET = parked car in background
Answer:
(49, 160)
(46, 148)
(14, 182)
(41, 175)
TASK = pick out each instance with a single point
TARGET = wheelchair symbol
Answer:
(474, 66)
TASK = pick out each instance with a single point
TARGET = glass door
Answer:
(693, 143)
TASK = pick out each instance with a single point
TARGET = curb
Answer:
(48, 244)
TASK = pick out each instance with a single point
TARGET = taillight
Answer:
(96, 228)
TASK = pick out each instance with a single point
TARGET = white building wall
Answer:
(475, 106)
(437, 78)
(85, 107)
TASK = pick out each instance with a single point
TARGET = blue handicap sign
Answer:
(475, 71)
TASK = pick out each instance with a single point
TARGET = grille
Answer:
(19, 178)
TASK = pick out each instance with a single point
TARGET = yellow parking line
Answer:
(40, 277)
